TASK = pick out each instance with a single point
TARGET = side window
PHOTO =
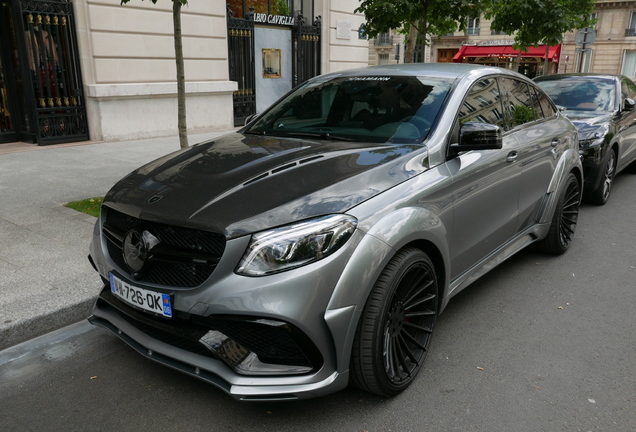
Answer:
(483, 104)
(536, 106)
(547, 108)
(517, 102)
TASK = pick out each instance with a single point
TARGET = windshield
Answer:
(581, 94)
(399, 109)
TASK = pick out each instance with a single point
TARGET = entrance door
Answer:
(446, 55)
(41, 72)
(273, 62)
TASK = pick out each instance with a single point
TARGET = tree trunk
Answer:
(546, 71)
(409, 45)
(181, 95)
(516, 62)
(424, 45)
(423, 25)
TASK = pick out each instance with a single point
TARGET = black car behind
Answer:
(601, 106)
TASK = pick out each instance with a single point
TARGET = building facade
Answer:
(479, 44)
(388, 48)
(93, 69)
(613, 49)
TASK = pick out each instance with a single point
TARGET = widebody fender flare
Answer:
(569, 162)
(391, 233)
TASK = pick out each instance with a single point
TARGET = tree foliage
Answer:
(178, 49)
(535, 22)
(417, 17)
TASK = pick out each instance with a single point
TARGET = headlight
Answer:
(594, 137)
(295, 245)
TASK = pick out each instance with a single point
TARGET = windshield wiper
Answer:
(325, 136)
(336, 137)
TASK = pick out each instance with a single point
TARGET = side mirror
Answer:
(629, 104)
(249, 118)
(478, 136)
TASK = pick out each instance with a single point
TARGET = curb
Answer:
(20, 331)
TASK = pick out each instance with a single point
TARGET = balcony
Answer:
(497, 33)
(472, 31)
(630, 32)
(383, 40)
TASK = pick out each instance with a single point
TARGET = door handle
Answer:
(555, 142)
(512, 156)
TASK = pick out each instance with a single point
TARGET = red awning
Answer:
(506, 51)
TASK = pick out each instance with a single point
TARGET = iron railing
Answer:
(242, 70)
(383, 39)
(306, 50)
(53, 69)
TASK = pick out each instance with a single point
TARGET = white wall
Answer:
(130, 73)
(341, 53)
(127, 56)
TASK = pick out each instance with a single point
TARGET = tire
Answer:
(601, 194)
(396, 326)
(565, 218)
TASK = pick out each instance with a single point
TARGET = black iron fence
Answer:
(242, 69)
(306, 50)
(53, 69)
(305, 60)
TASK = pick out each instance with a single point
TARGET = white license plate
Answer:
(145, 299)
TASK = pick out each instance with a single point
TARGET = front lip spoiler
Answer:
(258, 393)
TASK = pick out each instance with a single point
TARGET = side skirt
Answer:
(517, 243)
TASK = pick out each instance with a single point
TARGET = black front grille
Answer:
(186, 257)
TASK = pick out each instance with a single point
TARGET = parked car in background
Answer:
(317, 245)
(602, 109)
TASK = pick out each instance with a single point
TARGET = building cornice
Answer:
(615, 4)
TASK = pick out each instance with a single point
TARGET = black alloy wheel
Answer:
(397, 323)
(565, 218)
(602, 192)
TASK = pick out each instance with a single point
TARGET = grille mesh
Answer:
(171, 272)
(271, 344)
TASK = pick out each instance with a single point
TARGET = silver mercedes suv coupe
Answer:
(317, 245)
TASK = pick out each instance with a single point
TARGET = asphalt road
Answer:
(539, 344)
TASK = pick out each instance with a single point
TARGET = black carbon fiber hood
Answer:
(239, 184)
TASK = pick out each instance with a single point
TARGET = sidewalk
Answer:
(46, 281)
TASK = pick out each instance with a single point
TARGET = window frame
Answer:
(508, 111)
(631, 74)
(473, 112)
